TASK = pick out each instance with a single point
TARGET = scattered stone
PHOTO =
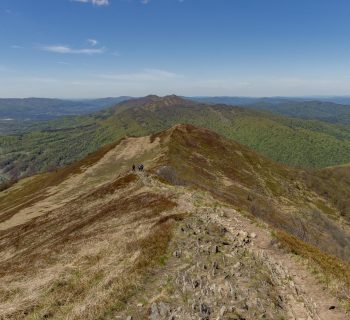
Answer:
(139, 305)
(204, 311)
(223, 310)
(237, 265)
(242, 234)
(223, 230)
(231, 309)
(129, 318)
(177, 254)
(253, 235)
(246, 240)
(159, 311)
(222, 214)
(215, 249)
(331, 308)
(195, 284)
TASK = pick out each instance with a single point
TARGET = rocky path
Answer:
(222, 266)
(309, 299)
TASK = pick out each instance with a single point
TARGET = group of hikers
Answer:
(140, 167)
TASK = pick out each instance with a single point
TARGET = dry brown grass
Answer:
(32, 190)
(330, 268)
(82, 260)
(332, 184)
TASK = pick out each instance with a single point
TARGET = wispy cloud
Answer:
(68, 50)
(145, 75)
(92, 42)
(94, 2)
(145, 1)
(16, 46)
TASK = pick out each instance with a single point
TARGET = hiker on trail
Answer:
(141, 167)
(133, 167)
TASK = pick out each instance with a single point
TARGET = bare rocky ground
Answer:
(221, 265)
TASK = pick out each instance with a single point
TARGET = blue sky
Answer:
(97, 48)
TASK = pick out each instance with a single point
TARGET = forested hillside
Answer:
(324, 110)
(35, 109)
(312, 144)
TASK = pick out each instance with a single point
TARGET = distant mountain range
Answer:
(51, 144)
(333, 110)
(46, 109)
(325, 110)
(237, 100)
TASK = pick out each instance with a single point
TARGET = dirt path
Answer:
(182, 287)
(317, 300)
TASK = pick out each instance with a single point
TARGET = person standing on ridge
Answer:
(133, 167)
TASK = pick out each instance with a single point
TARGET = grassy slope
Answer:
(292, 141)
(334, 184)
(31, 190)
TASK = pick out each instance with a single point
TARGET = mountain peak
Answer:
(153, 102)
(168, 100)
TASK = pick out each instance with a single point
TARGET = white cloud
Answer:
(145, 1)
(94, 2)
(145, 75)
(68, 50)
(92, 42)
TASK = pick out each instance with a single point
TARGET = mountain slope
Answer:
(298, 142)
(200, 234)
